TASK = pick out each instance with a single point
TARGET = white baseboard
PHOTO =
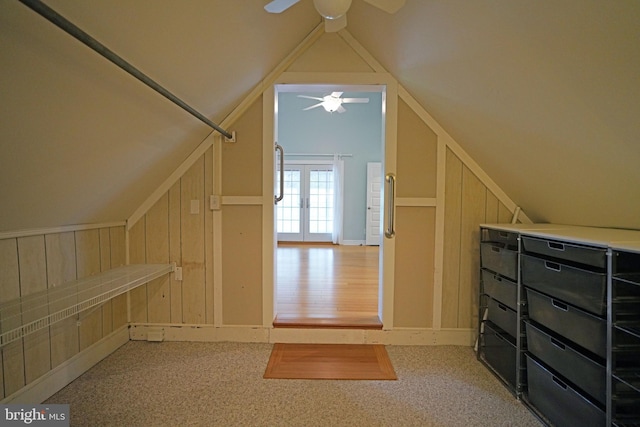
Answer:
(210, 333)
(59, 377)
(202, 333)
(353, 242)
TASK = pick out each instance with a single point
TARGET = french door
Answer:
(306, 212)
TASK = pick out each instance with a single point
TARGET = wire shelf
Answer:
(28, 314)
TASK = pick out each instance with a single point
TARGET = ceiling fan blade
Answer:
(311, 97)
(336, 94)
(389, 6)
(341, 109)
(334, 25)
(279, 6)
(319, 104)
(355, 100)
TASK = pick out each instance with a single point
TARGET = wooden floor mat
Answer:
(330, 362)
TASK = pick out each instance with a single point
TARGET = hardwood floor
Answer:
(323, 285)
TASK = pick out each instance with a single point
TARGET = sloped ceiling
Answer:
(543, 95)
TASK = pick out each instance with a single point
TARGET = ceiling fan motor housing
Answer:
(332, 9)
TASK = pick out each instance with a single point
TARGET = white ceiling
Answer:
(543, 95)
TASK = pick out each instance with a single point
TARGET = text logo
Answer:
(34, 415)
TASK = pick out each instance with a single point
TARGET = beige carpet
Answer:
(329, 362)
(220, 384)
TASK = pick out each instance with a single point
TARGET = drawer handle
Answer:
(503, 234)
(502, 307)
(556, 246)
(497, 278)
(559, 305)
(558, 382)
(558, 344)
(495, 249)
(552, 266)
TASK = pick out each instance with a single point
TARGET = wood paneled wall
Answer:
(178, 228)
(468, 203)
(37, 262)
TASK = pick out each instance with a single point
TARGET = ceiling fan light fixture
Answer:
(332, 9)
(331, 104)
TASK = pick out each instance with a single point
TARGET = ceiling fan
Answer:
(333, 102)
(334, 12)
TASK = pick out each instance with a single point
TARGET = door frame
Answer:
(369, 238)
(389, 161)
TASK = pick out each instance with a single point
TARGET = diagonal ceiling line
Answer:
(67, 26)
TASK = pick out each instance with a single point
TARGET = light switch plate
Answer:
(214, 202)
(195, 207)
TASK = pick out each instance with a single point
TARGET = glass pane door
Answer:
(319, 226)
(306, 211)
(289, 209)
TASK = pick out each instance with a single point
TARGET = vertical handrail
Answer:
(609, 404)
(390, 179)
(281, 196)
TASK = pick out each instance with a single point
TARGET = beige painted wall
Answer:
(180, 228)
(37, 262)
(170, 230)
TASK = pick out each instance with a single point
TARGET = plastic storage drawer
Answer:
(500, 353)
(576, 325)
(499, 259)
(582, 288)
(596, 257)
(558, 401)
(500, 289)
(587, 374)
(506, 237)
(504, 317)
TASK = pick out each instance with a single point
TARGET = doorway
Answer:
(312, 269)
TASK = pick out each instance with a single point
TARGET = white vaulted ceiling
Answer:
(543, 95)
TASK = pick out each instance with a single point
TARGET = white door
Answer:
(374, 198)
(306, 213)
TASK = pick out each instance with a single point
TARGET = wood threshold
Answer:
(319, 321)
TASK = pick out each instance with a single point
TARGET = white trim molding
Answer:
(259, 334)
(61, 229)
(62, 375)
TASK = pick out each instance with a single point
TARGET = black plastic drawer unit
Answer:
(558, 401)
(499, 236)
(497, 258)
(583, 288)
(504, 317)
(576, 325)
(586, 373)
(596, 257)
(500, 353)
(500, 288)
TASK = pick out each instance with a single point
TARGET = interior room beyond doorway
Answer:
(327, 285)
